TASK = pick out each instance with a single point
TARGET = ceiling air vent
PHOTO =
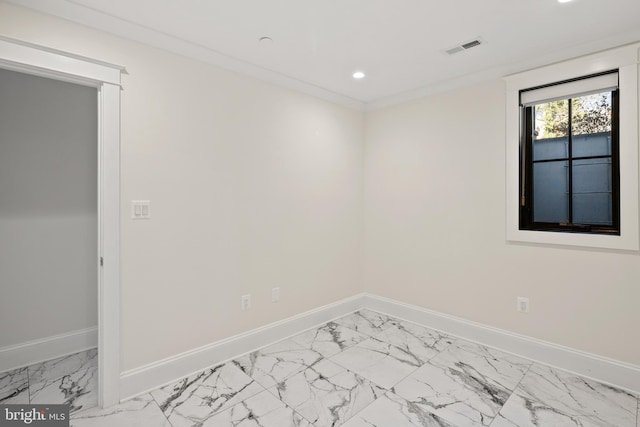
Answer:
(454, 50)
(464, 46)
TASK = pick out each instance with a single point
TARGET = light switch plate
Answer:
(140, 209)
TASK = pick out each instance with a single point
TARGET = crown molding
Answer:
(81, 14)
(506, 70)
(84, 15)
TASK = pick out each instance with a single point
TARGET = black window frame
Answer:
(526, 221)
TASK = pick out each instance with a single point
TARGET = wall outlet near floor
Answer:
(523, 304)
(246, 302)
(275, 294)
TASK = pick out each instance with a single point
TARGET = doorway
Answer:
(104, 80)
(49, 244)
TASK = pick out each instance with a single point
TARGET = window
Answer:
(569, 169)
(579, 173)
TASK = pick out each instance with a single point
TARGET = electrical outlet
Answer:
(275, 294)
(246, 302)
(523, 304)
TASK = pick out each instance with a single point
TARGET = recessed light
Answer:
(358, 75)
(564, 1)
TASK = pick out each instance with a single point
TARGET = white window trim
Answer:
(29, 58)
(625, 59)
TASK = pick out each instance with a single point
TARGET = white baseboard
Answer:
(154, 375)
(602, 369)
(28, 353)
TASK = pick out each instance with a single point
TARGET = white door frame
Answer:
(29, 58)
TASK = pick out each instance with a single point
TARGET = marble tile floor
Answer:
(71, 379)
(363, 370)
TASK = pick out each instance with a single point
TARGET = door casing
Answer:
(25, 57)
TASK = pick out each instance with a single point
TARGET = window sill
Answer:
(590, 240)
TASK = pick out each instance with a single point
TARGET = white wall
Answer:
(251, 186)
(48, 206)
(254, 186)
(435, 232)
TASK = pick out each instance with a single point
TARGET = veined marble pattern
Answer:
(466, 384)
(329, 339)
(364, 370)
(140, 411)
(378, 361)
(393, 411)
(272, 364)
(261, 410)
(71, 379)
(367, 322)
(193, 400)
(550, 397)
(416, 341)
(327, 394)
(501, 368)
(67, 365)
(14, 387)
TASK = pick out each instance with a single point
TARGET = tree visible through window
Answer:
(591, 114)
(569, 172)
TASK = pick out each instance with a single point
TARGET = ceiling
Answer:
(318, 44)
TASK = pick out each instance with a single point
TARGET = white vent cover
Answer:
(470, 44)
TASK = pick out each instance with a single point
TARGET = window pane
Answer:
(597, 144)
(551, 192)
(551, 129)
(591, 114)
(592, 195)
(550, 148)
(552, 119)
